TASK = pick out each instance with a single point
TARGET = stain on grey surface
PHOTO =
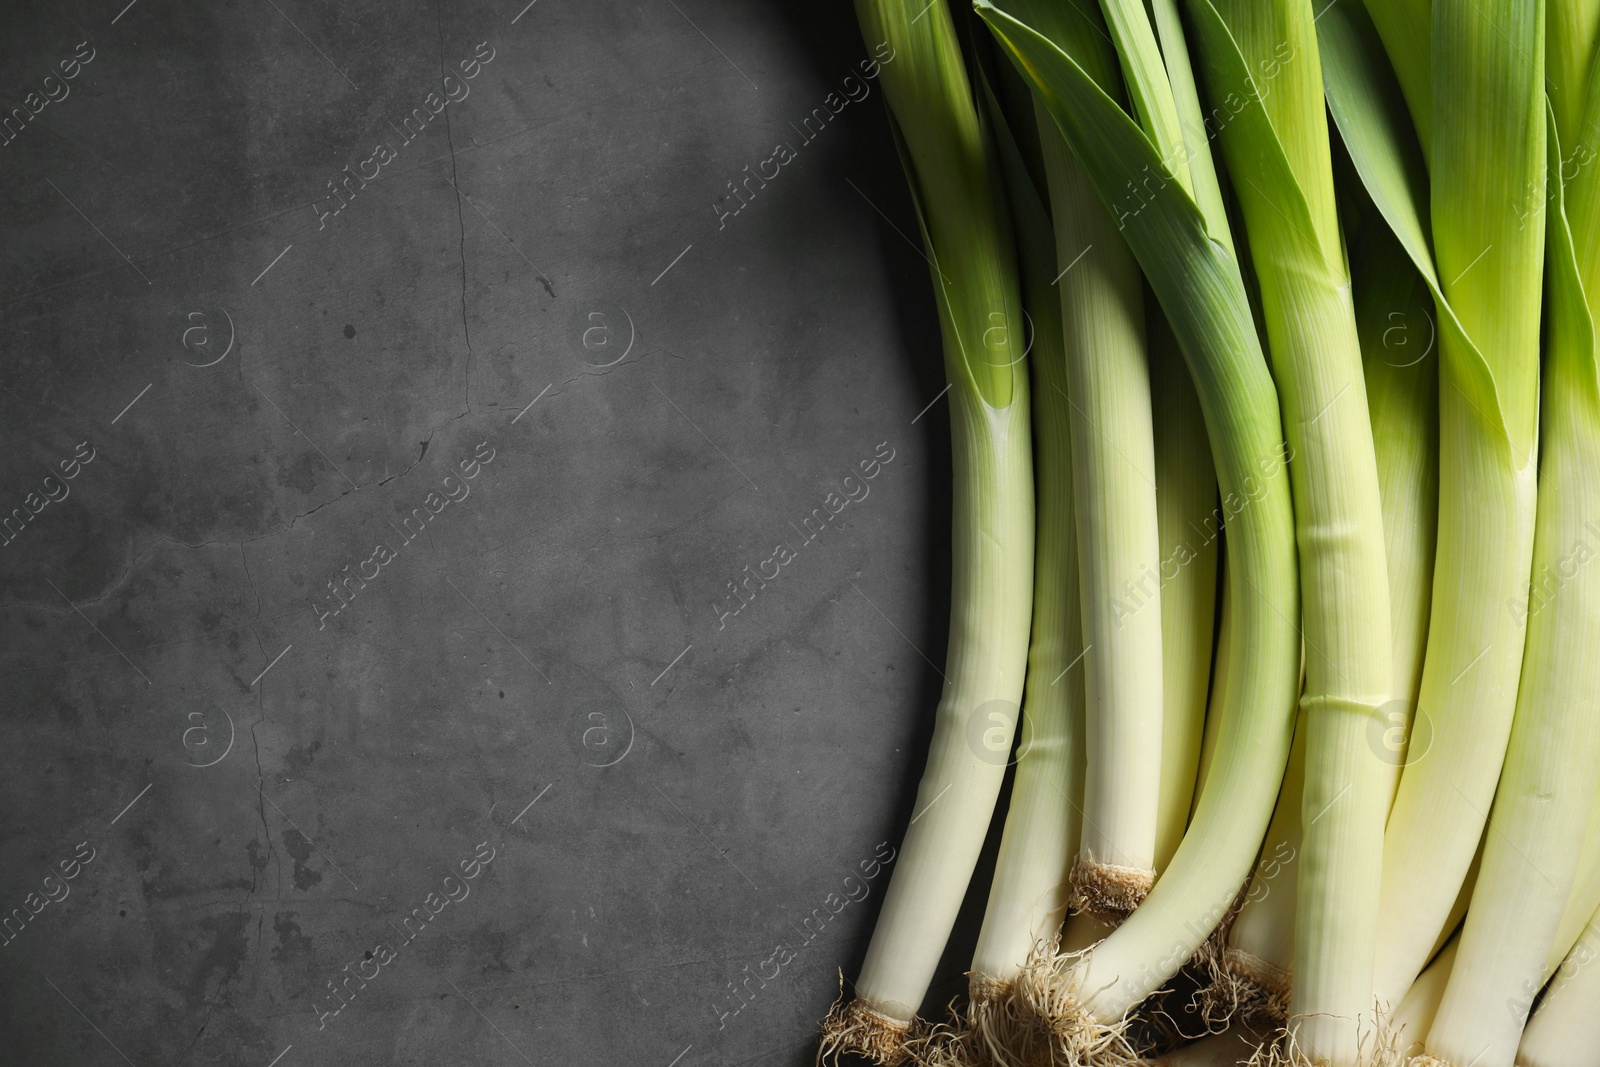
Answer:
(222, 949)
(300, 851)
(298, 759)
(293, 945)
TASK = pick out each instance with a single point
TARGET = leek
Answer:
(1486, 163)
(1400, 368)
(966, 232)
(1562, 1033)
(1565, 1031)
(1546, 788)
(1119, 546)
(1414, 1015)
(1406, 29)
(1399, 351)
(1559, 1038)
(1277, 144)
(1186, 498)
(1186, 494)
(1584, 900)
(1084, 1000)
(1028, 896)
(1250, 983)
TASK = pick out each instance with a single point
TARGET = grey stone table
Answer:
(438, 627)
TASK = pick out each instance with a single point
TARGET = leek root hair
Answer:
(992, 1031)
(1056, 1029)
(946, 1045)
(1376, 1046)
(852, 1028)
(992, 1034)
(1243, 988)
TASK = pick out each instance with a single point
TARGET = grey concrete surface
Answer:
(251, 790)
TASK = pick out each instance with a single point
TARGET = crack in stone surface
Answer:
(461, 221)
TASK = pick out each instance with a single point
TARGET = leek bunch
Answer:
(1278, 543)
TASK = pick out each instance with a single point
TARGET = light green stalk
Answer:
(1406, 27)
(1487, 167)
(1119, 545)
(1186, 489)
(1578, 126)
(1029, 892)
(1399, 360)
(1400, 356)
(1261, 57)
(1186, 498)
(1155, 105)
(1546, 787)
(1198, 128)
(1200, 287)
(955, 184)
(1569, 53)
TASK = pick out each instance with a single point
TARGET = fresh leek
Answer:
(951, 168)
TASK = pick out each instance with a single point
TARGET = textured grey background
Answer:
(160, 216)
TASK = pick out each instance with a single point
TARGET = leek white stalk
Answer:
(1186, 493)
(1415, 1016)
(1573, 35)
(1458, 910)
(1029, 893)
(1119, 545)
(1546, 787)
(1083, 931)
(1398, 343)
(966, 232)
(1487, 170)
(1410, 1021)
(1186, 500)
(1084, 1001)
(1565, 1031)
(1277, 145)
(1251, 985)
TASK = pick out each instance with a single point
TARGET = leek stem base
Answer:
(1109, 891)
(857, 1029)
(1246, 989)
(1377, 1046)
